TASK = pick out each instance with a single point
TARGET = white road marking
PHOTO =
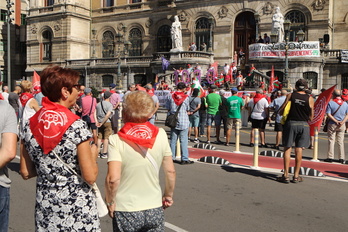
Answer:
(173, 227)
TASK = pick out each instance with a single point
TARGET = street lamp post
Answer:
(120, 39)
(287, 24)
(211, 21)
(9, 20)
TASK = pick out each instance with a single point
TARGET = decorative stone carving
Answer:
(176, 35)
(148, 23)
(33, 29)
(277, 24)
(268, 8)
(223, 12)
(120, 26)
(57, 27)
(183, 16)
(318, 5)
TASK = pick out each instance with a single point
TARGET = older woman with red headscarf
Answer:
(136, 153)
(56, 149)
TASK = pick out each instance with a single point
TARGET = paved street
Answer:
(226, 198)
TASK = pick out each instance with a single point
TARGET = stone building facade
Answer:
(91, 36)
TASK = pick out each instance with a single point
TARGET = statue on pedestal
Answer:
(277, 24)
(176, 35)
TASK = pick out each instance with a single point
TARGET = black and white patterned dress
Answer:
(63, 202)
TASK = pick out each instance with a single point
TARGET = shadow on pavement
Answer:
(250, 172)
(341, 174)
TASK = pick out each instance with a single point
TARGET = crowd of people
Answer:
(64, 124)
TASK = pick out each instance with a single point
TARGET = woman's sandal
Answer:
(283, 179)
(297, 179)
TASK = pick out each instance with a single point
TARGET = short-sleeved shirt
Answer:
(183, 119)
(89, 104)
(276, 104)
(234, 104)
(114, 99)
(340, 114)
(155, 100)
(259, 111)
(194, 102)
(213, 102)
(8, 124)
(13, 99)
(139, 187)
(107, 106)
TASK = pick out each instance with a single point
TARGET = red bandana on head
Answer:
(179, 97)
(143, 134)
(338, 100)
(49, 124)
(25, 97)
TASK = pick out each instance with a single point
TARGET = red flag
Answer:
(36, 83)
(270, 85)
(320, 108)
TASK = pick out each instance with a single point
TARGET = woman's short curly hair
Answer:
(138, 107)
(26, 86)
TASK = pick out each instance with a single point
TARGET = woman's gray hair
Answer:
(138, 107)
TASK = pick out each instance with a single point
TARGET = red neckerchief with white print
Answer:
(49, 124)
(179, 97)
(25, 97)
(338, 100)
(143, 134)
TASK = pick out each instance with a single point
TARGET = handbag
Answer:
(327, 120)
(172, 119)
(101, 206)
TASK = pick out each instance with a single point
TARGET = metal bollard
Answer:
(315, 145)
(256, 148)
(178, 149)
(237, 137)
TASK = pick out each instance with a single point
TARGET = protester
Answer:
(181, 130)
(5, 93)
(151, 92)
(296, 128)
(234, 105)
(102, 117)
(89, 104)
(266, 38)
(115, 100)
(223, 110)
(133, 193)
(202, 117)
(55, 138)
(245, 111)
(258, 111)
(29, 105)
(195, 104)
(13, 100)
(8, 150)
(213, 102)
(38, 95)
(337, 113)
(278, 127)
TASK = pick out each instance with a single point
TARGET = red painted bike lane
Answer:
(328, 169)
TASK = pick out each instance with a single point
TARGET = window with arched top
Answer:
(312, 79)
(108, 44)
(298, 22)
(46, 45)
(202, 33)
(107, 80)
(164, 40)
(135, 37)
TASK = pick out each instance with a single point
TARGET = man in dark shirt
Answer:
(13, 99)
(296, 128)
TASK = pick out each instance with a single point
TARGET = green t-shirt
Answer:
(213, 101)
(234, 104)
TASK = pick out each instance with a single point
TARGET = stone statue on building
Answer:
(277, 24)
(176, 35)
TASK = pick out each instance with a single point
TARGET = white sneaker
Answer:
(196, 140)
(104, 155)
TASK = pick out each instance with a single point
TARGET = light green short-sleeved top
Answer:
(139, 187)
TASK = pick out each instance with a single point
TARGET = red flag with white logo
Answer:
(320, 108)
(36, 83)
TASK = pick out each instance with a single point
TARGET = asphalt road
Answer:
(224, 198)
